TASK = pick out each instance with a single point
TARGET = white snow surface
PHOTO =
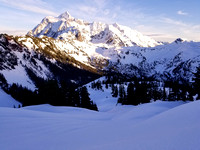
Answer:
(19, 76)
(7, 101)
(154, 126)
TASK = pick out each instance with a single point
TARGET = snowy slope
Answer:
(15, 59)
(166, 126)
(19, 76)
(7, 101)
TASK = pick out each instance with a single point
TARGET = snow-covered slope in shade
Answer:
(164, 125)
(16, 59)
(103, 98)
(67, 27)
(7, 101)
(18, 76)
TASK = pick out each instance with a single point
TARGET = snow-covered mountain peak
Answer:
(180, 40)
(68, 28)
(115, 24)
(66, 15)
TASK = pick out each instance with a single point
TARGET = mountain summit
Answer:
(66, 16)
(67, 27)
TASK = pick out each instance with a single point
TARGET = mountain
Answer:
(178, 60)
(74, 50)
(122, 49)
(67, 27)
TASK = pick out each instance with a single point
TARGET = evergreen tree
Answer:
(77, 100)
(85, 99)
(70, 96)
(84, 96)
(98, 85)
(112, 88)
(50, 92)
(164, 94)
(130, 94)
(114, 91)
(23, 95)
(122, 94)
(154, 92)
(183, 93)
(142, 93)
(106, 86)
(190, 95)
(171, 96)
(196, 83)
(3, 83)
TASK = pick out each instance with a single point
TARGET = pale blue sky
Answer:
(163, 20)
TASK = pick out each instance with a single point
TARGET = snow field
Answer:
(154, 126)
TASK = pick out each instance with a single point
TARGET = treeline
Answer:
(135, 91)
(146, 91)
(50, 92)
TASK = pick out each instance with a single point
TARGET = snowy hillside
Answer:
(155, 126)
(67, 27)
(25, 59)
(7, 101)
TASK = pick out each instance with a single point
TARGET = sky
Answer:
(163, 20)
